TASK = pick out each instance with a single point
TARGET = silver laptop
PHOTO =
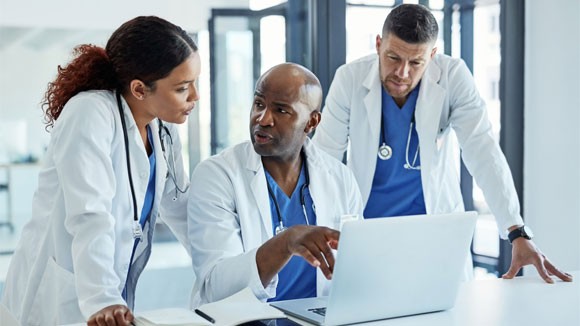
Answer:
(392, 267)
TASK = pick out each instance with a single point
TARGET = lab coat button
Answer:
(143, 175)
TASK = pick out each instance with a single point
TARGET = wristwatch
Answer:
(520, 232)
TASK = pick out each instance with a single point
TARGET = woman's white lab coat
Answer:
(448, 104)
(73, 255)
(229, 217)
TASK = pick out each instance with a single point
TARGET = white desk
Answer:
(522, 301)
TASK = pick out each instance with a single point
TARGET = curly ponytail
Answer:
(90, 69)
(147, 48)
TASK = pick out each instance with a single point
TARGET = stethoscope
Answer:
(386, 152)
(163, 130)
(281, 227)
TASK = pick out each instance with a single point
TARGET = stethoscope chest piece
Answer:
(385, 152)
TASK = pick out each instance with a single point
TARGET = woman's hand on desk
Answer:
(525, 252)
(111, 316)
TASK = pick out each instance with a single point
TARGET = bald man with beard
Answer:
(264, 213)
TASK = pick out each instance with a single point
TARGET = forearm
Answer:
(480, 151)
(271, 257)
(494, 178)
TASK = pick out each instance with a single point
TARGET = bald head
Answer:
(286, 109)
(296, 78)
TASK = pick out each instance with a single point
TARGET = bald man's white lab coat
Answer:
(229, 217)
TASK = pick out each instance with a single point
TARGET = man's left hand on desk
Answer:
(525, 252)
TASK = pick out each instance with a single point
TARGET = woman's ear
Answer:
(138, 89)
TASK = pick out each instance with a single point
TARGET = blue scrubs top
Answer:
(147, 204)
(150, 194)
(397, 191)
(297, 279)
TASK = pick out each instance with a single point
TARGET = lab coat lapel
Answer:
(135, 141)
(317, 172)
(428, 109)
(372, 100)
(260, 190)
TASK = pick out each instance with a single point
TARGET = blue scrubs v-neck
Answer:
(396, 190)
(297, 279)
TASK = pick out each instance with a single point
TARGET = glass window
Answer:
(272, 43)
(245, 45)
(262, 4)
(455, 33)
(365, 21)
(203, 125)
(382, 3)
(436, 4)
(486, 71)
(364, 24)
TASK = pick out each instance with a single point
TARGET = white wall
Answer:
(33, 43)
(552, 129)
(191, 15)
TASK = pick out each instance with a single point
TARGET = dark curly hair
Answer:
(147, 48)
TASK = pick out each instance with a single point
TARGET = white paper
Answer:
(170, 316)
(236, 309)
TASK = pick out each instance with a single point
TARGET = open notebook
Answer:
(236, 309)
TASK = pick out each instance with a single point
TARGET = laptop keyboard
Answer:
(320, 311)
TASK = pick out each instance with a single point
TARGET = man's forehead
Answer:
(278, 85)
(408, 50)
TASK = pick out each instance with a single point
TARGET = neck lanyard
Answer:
(281, 226)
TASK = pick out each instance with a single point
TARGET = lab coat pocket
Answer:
(56, 300)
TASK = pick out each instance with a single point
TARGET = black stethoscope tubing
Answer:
(281, 226)
(386, 148)
(137, 231)
(170, 165)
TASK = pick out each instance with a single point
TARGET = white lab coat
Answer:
(229, 217)
(448, 109)
(73, 255)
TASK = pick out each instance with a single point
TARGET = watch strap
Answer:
(518, 233)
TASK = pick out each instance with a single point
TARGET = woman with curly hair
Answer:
(112, 167)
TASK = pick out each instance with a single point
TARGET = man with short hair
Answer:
(264, 214)
(400, 110)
